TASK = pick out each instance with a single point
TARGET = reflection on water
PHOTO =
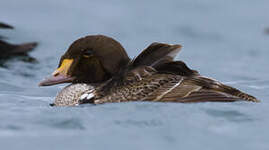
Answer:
(267, 30)
(229, 115)
(139, 123)
(70, 123)
(221, 39)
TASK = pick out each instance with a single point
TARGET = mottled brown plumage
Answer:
(167, 87)
(151, 76)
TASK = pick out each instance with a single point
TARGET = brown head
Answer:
(91, 59)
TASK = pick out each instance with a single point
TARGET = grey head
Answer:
(70, 95)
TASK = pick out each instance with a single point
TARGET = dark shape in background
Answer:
(3, 25)
(8, 50)
(267, 30)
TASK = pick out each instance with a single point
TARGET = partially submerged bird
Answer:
(7, 26)
(101, 71)
(8, 50)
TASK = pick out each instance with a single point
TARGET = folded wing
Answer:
(198, 89)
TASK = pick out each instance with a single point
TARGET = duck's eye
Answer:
(88, 53)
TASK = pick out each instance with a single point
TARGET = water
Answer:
(222, 39)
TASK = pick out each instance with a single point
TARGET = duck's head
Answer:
(91, 59)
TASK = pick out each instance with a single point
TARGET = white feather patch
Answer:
(90, 96)
(83, 96)
(169, 90)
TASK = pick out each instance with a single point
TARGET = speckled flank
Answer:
(155, 87)
(70, 95)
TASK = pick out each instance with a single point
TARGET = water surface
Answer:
(222, 39)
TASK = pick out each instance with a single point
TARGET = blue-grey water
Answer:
(223, 39)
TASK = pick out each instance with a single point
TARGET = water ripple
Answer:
(230, 115)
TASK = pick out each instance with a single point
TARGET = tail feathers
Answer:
(212, 84)
(238, 93)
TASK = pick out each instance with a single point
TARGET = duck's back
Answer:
(165, 87)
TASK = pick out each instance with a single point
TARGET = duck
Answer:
(100, 71)
(4, 25)
(8, 50)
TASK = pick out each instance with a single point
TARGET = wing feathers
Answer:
(190, 91)
(156, 53)
(202, 96)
